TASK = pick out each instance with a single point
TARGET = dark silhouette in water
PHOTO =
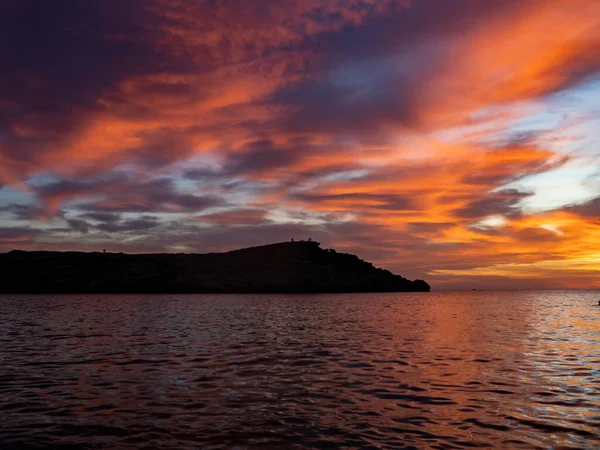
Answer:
(286, 267)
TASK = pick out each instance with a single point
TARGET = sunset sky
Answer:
(454, 141)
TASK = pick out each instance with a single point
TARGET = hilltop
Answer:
(286, 267)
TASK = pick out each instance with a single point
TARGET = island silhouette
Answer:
(286, 267)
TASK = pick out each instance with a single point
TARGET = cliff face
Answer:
(285, 267)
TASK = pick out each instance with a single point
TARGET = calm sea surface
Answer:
(429, 371)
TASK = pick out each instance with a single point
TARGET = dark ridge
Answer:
(287, 267)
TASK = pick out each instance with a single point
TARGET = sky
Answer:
(452, 141)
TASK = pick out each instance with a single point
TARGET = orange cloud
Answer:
(383, 117)
(537, 48)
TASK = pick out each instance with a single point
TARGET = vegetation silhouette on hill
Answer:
(287, 267)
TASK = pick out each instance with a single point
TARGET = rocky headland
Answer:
(287, 267)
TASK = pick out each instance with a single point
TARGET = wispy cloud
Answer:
(452, 141)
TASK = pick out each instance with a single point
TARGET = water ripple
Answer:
(424, 371)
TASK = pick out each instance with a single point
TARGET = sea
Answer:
(439, 370)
